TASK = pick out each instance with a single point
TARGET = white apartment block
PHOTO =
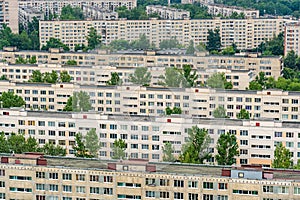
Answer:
(167, 12)
(145, 135)
(152, 101)
(8, 16)
(27, 14)
(100, 75)
(291, 38)
(96, 13)
(227, 11)
(55, 7)
(245, 33)
(155, 60)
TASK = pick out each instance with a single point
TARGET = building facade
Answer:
(27, 14)
(34, 177)
(291, 38)
(55, 7)
(96, 13)
(8, 16)
(156, 60)
(152, 101)
(145, 136)
(245, 33)
(167, 12)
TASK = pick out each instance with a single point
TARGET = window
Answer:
(51, 123)
(243, 132)
(108, 191)
(268, 189)
(2, 184)
(208, 185)
(155, 138)
(67, 188)
(150, 194)
(283, 190)
(245, 192)
(80, 189)
(40, 175)
(80, 177)
(67, 177)
(278, 134)
(94, 178)
(108, 179)
(193, 184)
(193, 196)
(289, 134)
(94, 190)
(208, 197)
(164, 182)
(178, 195)
(53, 175)
(178, 183)
(222, 197)
(164, 195)
(145, 137)
(40, 186)
(297, 190)
(53, 187)
(243, 142)
(222, 186)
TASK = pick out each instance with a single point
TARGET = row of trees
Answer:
(47, 77)
(17, 143)
(79, 102)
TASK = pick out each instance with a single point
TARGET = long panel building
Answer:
(145, 135)
(245, 33)
(36, 177)
(135, 100)
(8, 16)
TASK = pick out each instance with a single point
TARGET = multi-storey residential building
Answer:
(291, 38)
(27, 14)
(96, 13)
(227, 11)
(8, 16)
(245, 33)
(145, 136)
(33, 176)
(55, 7)
(133, 100)
(167, 12)
(100, 75)
(271, 66)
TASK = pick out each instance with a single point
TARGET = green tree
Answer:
(142, 43)
(243, 114)
(213, 40)
(21, 60)
(4, 146)
(189, 77)
(81, 102)
(228, 50)
(3, 78)
(64, 77)
(172, 78)
(253, 85)
(218, 80)
(71, 13)
(119, 148)
(9, 99)
(191, 48)
(71, 62)
(168, 150)
(114, 80)
(55, 43)
(80, 148)
(227, 148)
(119, 45)
(290, 61)
(93, 38)
(31, 145)
(32, 60)
(141, 76)
(36, 77)
(16, 143)
(92, 142)
(69, 105)
(175, 110)
(282, 157)
(220, 112)
(169, 44)
(53, 150)
(196, 148)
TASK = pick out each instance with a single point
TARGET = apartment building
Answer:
(155, 60)
(8, 16)
(291, 38)
(55, 7)
(227, 11)
(36, 177)
(245, 33)
(167, 12)
(145, 135)
(152, 101)
(27, 14)
(96, 13)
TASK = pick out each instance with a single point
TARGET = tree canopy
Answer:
(80, 147)
(55, 43)
(282, 157)
(114, 80)
(80, 101)
(93, 38)
(196, 148)
(92, 142)
(243, 114)
(220, 112)
(9, 99)
(175, 110)
(119, 148)
(213, 40)
(47, 77)
(168, 150)
(71, 13)
(169, 44)
(141, 76)
(227, 148)
(218, 80)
